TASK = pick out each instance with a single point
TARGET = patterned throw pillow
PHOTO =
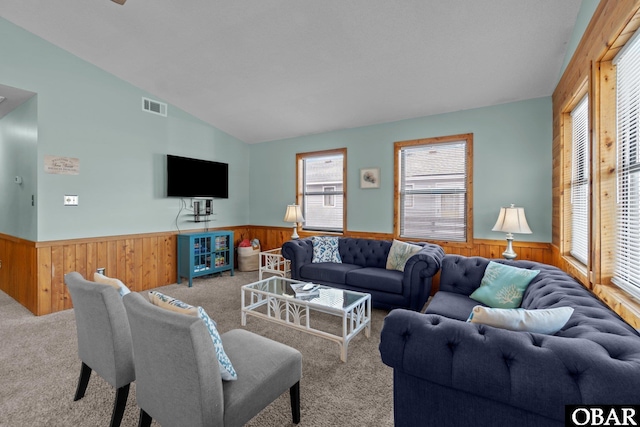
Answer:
(544, 321)
(325, 249)
(104, 280)
(226, 368)
(503, 285)
(172, 304)
(399, 254)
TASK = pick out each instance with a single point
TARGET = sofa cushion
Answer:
(544, 321)
(326, 272)
(451, 304)
(503, 286)
(399, 254)
(376, 279)
(325, 249)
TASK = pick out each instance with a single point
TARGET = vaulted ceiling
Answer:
(263, 70)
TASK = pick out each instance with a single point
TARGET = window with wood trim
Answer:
(580, 172)
(627, 251)
(321, 189)
(433, 195)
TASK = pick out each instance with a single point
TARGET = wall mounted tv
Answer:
(188, 177)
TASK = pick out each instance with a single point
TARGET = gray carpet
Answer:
(39, 367)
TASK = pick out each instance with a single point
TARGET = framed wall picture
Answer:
(370, 178)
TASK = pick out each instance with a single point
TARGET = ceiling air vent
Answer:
(155, 107)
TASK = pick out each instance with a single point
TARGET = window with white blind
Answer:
(627, 251)
(433, 196)
(321, 178)
(580, 181)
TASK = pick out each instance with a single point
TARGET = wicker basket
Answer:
(248, 258)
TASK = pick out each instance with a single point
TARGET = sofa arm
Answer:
(418, 271)
(299, 252)
(534, 372)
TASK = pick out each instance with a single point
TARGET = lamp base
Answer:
(509, 253)
(295, 236)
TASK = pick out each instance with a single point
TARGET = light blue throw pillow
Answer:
(226, 368)
(325, 249)
(503, 285)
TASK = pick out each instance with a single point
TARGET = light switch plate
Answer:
(71, 200)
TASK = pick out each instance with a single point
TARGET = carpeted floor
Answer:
(39, 367)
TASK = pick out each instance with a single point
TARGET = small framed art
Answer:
(370, 178)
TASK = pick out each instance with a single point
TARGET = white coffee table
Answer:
(274, 300)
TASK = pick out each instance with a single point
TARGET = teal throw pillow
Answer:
(543, 321)
(226, 368)
(503, 285)
(325, 249)
(399, 254)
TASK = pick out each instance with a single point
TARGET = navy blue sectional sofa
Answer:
(363, 270)
(448, 372)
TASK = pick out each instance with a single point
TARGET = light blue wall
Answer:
(86, 113)
(18, 150)
(512, 164)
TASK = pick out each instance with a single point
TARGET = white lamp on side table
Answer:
(294, 215)
(511, 220)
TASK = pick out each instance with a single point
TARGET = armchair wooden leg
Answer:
(83, 381)
(294, 393)
(118, 407)
(145, 419)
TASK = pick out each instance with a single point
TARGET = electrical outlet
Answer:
(71, 200)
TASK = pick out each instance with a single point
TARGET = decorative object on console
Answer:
(370, 178)
(294, 215)
(511, 220)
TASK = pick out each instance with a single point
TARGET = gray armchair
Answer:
(104, 339)
(178, 381)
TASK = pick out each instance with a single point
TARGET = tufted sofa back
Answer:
(552, 287)
(364, 252)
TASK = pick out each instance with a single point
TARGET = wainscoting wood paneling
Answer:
(18, 270)
(33, 273)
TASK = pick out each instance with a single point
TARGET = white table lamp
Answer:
(294, 215)
(511, 220)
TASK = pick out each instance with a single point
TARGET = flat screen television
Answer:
(188, 177)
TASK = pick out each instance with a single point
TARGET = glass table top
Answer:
(325, 296)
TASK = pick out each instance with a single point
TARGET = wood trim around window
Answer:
(299, 159)
(397, 146)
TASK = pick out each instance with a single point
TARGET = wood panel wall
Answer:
(33, 273)
(18, 270)
(612, 25)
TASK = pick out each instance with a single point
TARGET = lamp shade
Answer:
(512, 220)
(293, 214)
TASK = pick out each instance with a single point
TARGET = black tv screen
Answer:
(188, 177)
